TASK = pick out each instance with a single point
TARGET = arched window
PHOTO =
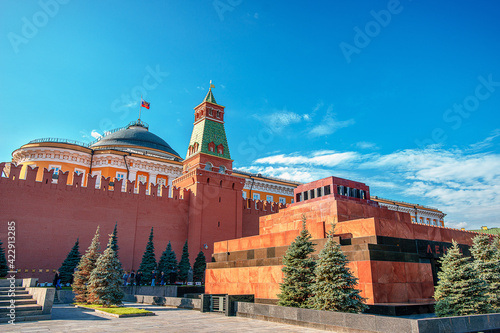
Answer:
(208, 166)
(222, 169)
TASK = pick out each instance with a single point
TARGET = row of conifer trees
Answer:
(174, 271)
(470, 285)
(168, 263)
(97, 278)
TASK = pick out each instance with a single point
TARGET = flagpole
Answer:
(140, 109)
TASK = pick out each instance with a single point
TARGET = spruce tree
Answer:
(298, 271)
(69, 264)
(184, 264)
(148, 263)
(105, 280)
(460, 291)
(487, 264)
(199, 267)
(84, 269)
(115, 244)
(334, 287)
(3, 262)
(168, 263)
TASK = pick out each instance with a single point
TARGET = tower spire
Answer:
(208, 148)
(210, 96)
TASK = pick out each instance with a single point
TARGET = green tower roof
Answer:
(207, 131)
(210, 97)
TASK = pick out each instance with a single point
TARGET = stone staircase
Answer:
(26, 308)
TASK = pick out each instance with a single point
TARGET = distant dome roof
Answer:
(135, 135)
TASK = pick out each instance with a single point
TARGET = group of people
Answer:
(130, 278)
(133, 279)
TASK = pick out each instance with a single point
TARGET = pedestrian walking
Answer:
(57, 281)
(125, 279)
(138, 278)
(153, 278)
(132, 278)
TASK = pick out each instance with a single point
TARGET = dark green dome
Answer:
(135, 136)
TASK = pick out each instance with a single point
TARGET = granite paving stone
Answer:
(66, 318)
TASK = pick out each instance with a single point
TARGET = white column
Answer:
(152, 179)
(170, 178)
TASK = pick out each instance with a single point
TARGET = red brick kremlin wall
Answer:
(50, 217)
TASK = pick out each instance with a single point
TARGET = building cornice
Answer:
(264, 186)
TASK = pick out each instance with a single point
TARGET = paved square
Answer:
(66, 318)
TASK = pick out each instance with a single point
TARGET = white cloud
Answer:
(95, 134)
(486, 143)
(329, 124)
(278, 120)
(318, 106)
(463, 184)
(299, 174)
(321, 158)
(458, 225)
(366, 145)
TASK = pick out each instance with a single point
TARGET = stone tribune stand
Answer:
(31, 302)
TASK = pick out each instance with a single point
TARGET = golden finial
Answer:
(211, 85)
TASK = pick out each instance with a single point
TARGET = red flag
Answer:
(144, 104)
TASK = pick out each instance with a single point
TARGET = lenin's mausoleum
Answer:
(59, 190)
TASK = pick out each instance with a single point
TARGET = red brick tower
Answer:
(215, 211)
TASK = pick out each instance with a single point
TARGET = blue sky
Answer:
(404, 96)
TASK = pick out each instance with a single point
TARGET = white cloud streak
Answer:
(330, 124)
(95, 134)
(366, 145)
(279, 120)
